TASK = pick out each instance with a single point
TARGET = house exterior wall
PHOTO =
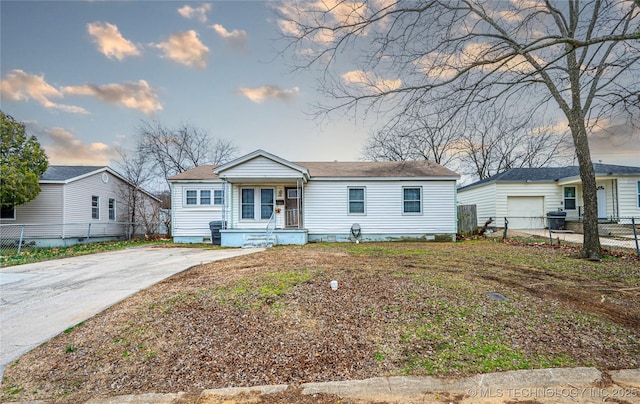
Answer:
(484, 197)
(190, 224)
(45, 208)
(628, 197)
(261, 167)
(326, 215)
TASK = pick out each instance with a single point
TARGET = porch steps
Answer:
(258, 241)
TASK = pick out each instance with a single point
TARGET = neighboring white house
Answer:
(263, 197)
(526, 195)
(76, 202)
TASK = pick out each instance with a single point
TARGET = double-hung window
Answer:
(570, 198)
(95, 207)
(250, 205)
(356, 200)
(203, 197)
(638, 194)
(412, 200)
(112, 209)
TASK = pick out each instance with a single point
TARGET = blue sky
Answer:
(83, 75)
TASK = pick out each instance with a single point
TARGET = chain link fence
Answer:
(16, 238)
(619, 233)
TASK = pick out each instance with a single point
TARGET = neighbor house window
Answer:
(95, 207)
(260, 208)
(266, 203)
(112, 209)
(248, 203)
(638, 194)
(412, 200)
(570, 198)
(356, 201)
(218, 197)
(8, 212)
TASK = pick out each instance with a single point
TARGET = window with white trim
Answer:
(412, 200)
(261, 208)
(203, 197)
(218, 197)
(95, 207)
(8, 213)
(357, 200)
(638, 194)
(570, 198)
(112, 209)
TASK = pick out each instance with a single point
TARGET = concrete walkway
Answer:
(39, 301)
(562, 385)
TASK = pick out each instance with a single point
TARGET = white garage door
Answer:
(525, 212)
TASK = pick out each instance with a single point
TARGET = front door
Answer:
(292, 206)
(602, 202)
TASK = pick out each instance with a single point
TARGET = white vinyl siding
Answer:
(629, 197)
(357, 200)
(261, 167)
(193, 220)
(325, 213)
(484, 197)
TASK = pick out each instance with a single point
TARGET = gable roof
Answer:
(65, 174)
(552, 174)
(68, 173)
(332, 169)
(368, 169)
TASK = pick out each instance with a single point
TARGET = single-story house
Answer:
(76, 203)
(526, 195)
(262, 199)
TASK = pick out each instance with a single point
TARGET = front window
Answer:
(8, 212)
(218, 197)
(412, 200)
(266, 203)
(570, 198)
(112, 209)
(205, 197)
(192, 197)
(248, 203)
(95, 207)
(356, 201)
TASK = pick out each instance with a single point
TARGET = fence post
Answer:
(22, 238)
(506, 226)
(635, 235)
(88, 235)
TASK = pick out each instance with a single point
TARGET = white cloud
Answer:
(236, 39)
(199, 13)
(110, 42)
(371, 80)
(20, 86)
(140, 95)
(66, 148)
(185, 48)
(264, 93)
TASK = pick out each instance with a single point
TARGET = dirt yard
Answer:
(400, 309)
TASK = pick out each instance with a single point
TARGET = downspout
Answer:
(231, 209)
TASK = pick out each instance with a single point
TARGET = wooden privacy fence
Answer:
(467, 220)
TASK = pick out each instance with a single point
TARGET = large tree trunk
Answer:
(591, 247)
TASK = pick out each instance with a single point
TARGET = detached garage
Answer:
(525, 212)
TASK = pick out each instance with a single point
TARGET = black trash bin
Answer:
(556, 220)
(215, 227)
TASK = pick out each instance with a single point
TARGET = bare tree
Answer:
(580, 56)
(173, 151)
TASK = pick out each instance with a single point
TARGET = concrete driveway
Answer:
(39, 301)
